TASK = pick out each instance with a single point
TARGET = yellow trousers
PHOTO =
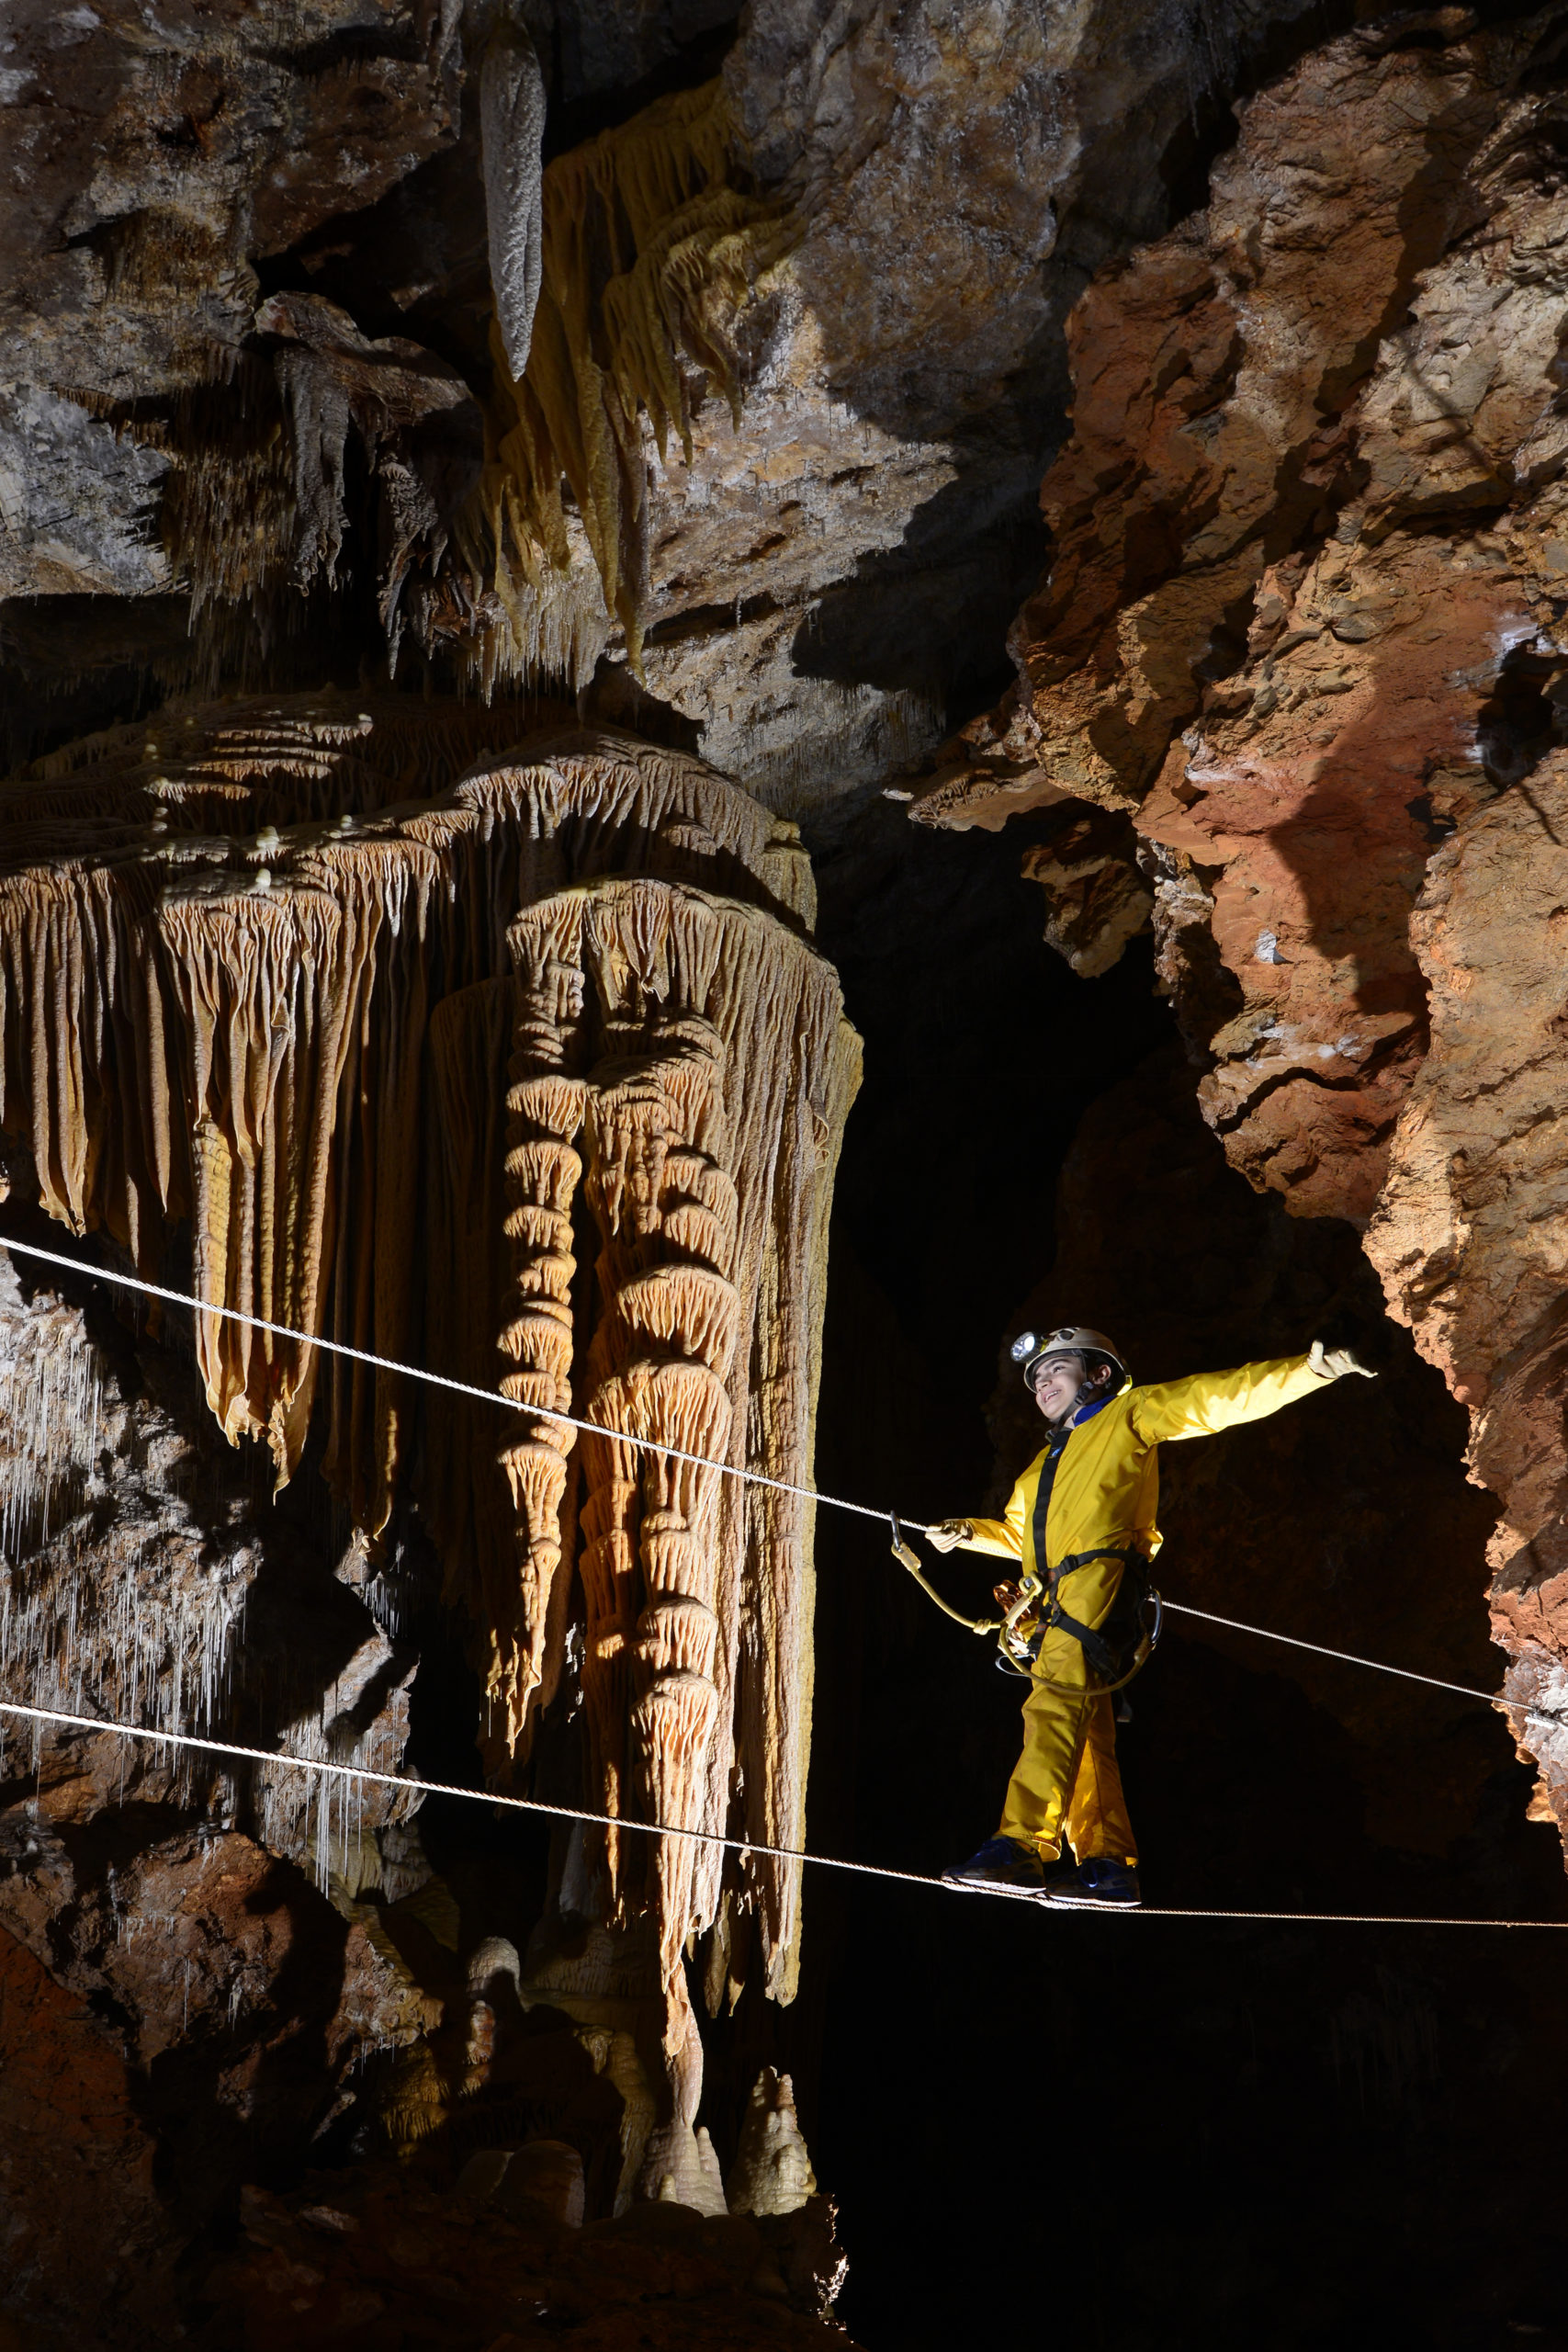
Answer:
(1066, 1782)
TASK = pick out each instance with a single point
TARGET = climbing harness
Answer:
(1018, 1650)
(1113, 1652)
(1121, 1648)
(903, 1552)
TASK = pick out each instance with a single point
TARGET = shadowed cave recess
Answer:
(702, 710)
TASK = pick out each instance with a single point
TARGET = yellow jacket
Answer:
(1107, 1484)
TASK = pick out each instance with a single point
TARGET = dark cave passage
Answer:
(1146, 2134)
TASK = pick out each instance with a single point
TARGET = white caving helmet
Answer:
(1031, 1349)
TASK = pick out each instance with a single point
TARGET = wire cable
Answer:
(751, 1478)
(1349, 1657)
(439, 1380)
(708, 1462)
(711, 1837)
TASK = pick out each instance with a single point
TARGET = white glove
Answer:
(948, 1532)
(1333, 1364)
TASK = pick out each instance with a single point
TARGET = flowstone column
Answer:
(700, 1044)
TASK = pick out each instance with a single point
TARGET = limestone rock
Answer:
(249, 1022)
(1279, 628)
(73, 2155)
(546, 2173)
(796, 358)
(1466, 1235)
(351, 2250)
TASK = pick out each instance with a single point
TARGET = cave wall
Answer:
(1288, 687)
(1313, 2133)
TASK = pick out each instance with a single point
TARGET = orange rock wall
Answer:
(1303, 628)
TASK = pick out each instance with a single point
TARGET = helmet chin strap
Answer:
(1089, 1387)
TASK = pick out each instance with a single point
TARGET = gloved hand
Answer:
(947, 1533)
(1333, 1364)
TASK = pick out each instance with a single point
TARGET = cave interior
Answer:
(701, 710)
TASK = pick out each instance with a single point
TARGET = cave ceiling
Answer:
(248, 311)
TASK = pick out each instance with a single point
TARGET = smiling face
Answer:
(1056, 1382)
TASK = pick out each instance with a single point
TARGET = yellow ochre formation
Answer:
(503, 1060)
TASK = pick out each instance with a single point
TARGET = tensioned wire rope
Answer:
(363, 1776)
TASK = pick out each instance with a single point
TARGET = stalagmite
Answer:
(771, 2172)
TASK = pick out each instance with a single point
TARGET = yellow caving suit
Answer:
(1105, 1492)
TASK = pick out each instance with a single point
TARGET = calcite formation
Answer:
(595, 957)
(655, 402)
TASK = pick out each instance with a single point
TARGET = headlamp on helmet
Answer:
(1031, 1350)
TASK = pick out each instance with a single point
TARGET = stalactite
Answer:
(512, 129)
(647, 246)
(303, 1038)
(619, 273)
(241, 1027)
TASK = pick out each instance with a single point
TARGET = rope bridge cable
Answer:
(364, 1775)
(439, 1380)
(729, 1470)
(707, 1462)
(1349, 1657)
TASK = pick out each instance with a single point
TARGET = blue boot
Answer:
(1001, 1863)
(1097, 1883)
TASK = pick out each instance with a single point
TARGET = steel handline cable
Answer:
(1349, 1657)
(729, 1470)
(712, 1838)
(439, 1380)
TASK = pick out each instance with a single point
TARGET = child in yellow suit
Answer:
(1085, 1500)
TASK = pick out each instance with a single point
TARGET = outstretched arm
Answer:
(1211, 1401)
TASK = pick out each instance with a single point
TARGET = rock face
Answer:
(322, 2266)
(1466, 1232)
(792, 342)
(1302, 630)
(75, 2152)
(1303, 599)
